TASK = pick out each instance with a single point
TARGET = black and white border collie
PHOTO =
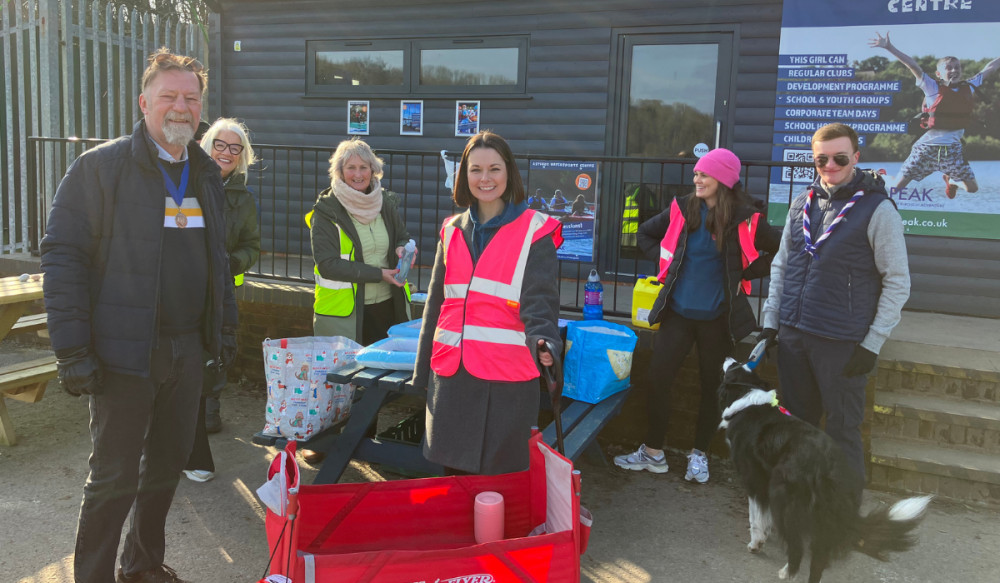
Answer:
(799, 482)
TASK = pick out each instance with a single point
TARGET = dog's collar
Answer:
(752, 399)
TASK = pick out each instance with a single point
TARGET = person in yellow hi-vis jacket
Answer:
(227, 141)
(357, 239)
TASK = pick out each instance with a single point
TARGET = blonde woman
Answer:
(357, 239)
(227, 141)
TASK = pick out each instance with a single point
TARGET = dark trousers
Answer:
(213, 380)
(377, 320)
(142, 430)
(810, 370)
(671, 345)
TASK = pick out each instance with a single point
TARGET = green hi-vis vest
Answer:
(630, 220)
(334, 298)
(238, 280)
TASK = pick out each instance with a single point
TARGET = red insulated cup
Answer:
(488, 518)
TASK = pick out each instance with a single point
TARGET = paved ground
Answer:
(648, 528)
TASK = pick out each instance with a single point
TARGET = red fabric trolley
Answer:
(417, 531)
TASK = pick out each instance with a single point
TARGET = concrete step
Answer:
(967, 425)
(967, 381)
(909, 467)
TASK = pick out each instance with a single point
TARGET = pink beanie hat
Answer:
(720, 164)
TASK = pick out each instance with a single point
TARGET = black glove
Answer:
(79, 372)
(234, 266)
(861, 362)
(769, 334)
(228, 355)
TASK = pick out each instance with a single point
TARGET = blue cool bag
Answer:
(598, 359)
(409, 329)
(393, 353)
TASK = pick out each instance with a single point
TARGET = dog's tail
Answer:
(890, 530)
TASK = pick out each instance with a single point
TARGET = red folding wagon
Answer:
(421, 530)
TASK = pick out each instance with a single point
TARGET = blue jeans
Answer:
(142, 430)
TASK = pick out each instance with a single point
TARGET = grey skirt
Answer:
(480, 426)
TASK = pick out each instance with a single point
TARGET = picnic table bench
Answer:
(31, 323)
(377, 387)
(24, 381)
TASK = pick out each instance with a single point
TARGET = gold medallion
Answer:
(181, 219)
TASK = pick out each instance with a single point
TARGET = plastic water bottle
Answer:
(593, 297)
(404, 262)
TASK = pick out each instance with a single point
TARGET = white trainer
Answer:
(199, 475)
(697, 467)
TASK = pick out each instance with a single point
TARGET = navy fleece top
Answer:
(482, 234)
(699, 293)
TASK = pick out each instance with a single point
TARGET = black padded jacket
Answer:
(102, 247)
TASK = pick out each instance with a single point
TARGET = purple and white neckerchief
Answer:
(812, 248)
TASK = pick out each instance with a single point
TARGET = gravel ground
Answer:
(646, 527)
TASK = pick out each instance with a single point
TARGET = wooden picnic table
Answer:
(24, 381)
(16, 297)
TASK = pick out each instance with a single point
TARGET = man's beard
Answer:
(177, 134)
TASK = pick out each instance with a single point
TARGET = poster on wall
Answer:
(919, 80)
(466, 118)
(411, 118)
(567, 191)
(357, 118)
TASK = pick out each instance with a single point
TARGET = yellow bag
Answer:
(645, 293)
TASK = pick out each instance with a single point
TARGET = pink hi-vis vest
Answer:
(480, 323)
(668, 245)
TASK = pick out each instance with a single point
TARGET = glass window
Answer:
(469, 66)
(410, 67)
(672, 100)
(359, 68)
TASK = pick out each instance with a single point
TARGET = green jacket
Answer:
(242, 229)
(325, 239)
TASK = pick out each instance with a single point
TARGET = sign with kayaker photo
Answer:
(919, 82)
(568, 191)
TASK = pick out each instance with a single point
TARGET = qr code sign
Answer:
(798, 174)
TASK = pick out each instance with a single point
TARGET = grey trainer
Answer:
(641, 460)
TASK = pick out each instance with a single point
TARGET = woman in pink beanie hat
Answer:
(720, 164)
(709, 245)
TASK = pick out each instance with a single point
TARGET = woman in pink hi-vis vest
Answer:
(708, 245)
(493, 299)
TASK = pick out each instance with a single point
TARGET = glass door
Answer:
(673, 105)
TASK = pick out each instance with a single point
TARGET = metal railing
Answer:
(71, 67)
(287, 179)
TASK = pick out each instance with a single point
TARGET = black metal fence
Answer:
(286, 180)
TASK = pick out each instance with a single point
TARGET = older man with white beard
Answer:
(139, 298)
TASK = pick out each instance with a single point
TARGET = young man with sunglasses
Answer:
(139, 297)
(838, 285)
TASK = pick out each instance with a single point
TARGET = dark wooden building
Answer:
(566, 78)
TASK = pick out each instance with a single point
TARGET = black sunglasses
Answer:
(221, 146)
(840, 160)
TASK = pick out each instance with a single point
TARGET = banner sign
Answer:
(919, 80)
(567, 191)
